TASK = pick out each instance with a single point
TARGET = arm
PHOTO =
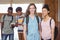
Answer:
(52, 34)
(40, 31)
(2, 23)
(24, 32)
(53, 27)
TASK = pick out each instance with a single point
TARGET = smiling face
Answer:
(32, 9)
(45, 12)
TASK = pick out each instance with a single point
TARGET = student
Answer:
(7, 29)
(31, 31)
(19, 20)
(19, 16)
(47, 29)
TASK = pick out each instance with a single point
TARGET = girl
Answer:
(47, 30)
(33, 32)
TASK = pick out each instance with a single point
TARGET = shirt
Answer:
(7, 29)
(20, 19)
(33, 33)
(46, 29)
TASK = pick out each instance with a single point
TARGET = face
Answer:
(32, 9)
(45, 12)
(19, 13)
(9, 12)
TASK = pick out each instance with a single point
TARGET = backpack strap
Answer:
(3, 20)
(37, 18)
(4, 17)
(27, 20)
(50, 22)
(12, 19)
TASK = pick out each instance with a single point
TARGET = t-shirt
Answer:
(19, 19)
(7, 29)
(46, 29)
(33, 33)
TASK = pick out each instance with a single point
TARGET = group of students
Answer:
(34, 27)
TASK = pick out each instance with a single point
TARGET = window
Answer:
(4, 7)
(24, 7)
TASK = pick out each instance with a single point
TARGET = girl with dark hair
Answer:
(47, 29)
(31, 31)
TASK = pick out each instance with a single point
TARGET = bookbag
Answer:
(27, 21)
(55, 30)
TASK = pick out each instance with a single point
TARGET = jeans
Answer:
(4, 36)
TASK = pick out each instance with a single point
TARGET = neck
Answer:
(31, 14)
(46, 17)
(9, 15)
(19, 15)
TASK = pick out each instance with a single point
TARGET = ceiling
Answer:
(21, 1)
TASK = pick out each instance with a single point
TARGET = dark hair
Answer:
(18, 9)
(27, 11)
(46, 6)
(10, 8)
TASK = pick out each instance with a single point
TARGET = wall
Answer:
(59, 10)
(53, 5)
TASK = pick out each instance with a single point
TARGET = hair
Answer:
(18, 9)
(46, 6)
(27, 11)
(10, 8)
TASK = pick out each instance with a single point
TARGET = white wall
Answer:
(59, 10)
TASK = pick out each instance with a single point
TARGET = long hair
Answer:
(28, 12)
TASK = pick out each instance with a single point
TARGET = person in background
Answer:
(47, 29)
(31, 30)
(19, 20)
(7, 29)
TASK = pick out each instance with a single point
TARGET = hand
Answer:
(12, 25)
(16, 25)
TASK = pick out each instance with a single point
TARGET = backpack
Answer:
(55, 30)
(27, 21)
(4, 18)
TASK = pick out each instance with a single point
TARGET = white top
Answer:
(46, 30)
